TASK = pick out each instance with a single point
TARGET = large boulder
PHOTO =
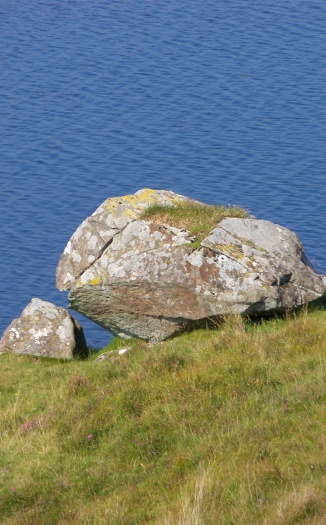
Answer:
(152, 280)
(46, 330)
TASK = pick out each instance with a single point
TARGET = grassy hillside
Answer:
(222, 427)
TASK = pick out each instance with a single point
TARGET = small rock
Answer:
(123, 350)
(112, 354)
(45, 330)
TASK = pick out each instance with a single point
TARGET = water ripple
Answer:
(223, 101)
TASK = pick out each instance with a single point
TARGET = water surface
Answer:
(222, 101)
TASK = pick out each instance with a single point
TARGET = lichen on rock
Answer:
(150, 279)
(45, 330)
(97, 231)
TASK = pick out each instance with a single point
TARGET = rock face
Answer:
(97, 231)
(142, 279)
(44, 330)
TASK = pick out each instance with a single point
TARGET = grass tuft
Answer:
(198, 219)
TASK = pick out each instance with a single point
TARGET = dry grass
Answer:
(190, 505)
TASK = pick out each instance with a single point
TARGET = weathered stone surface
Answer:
(97, 231)
(46, 330)
(150, 282)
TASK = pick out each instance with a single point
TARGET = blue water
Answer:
(224, 101)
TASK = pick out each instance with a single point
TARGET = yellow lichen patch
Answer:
(144, 196)
(131, 206)
(231, 250)
(82, 281)
(95, 280)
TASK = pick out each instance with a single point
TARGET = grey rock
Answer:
(46, 330)
(97, 231)
(112, 354)
(150, 282)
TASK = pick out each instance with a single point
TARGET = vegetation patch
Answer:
(215, 427)
(198, 219)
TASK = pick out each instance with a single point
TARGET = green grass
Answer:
(222, 427)
(198, 219)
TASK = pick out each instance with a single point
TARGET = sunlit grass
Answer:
(198, 219)
(214, 427)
